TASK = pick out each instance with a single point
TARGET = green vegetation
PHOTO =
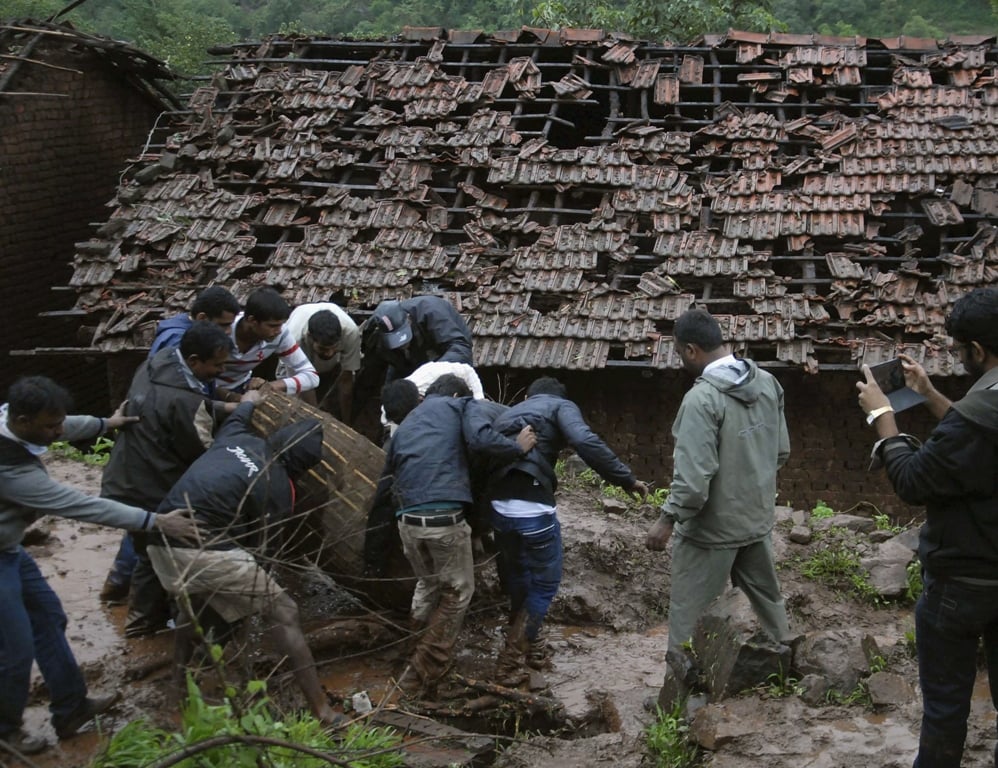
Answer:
(98, 454)
(180, 31)
(884, 523)
(668, 740)
(859, 695)
(780, 684)
(913, 574)
(837, 565)
(821, 511)
(588, 479)
(243, 732)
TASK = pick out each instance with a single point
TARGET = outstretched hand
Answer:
(118, 419)
(639, 490)
(180, 525)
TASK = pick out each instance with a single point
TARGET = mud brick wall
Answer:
(60, 157)
(830, 441)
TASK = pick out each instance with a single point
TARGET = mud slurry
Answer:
(607, 634)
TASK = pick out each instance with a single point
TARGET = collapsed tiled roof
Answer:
(573, 193)
(24, 41)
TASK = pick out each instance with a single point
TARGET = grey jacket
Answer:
(730, 439)
(27, 492)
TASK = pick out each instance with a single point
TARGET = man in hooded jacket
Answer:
(955, 475)
(241, 492)
(730, 439)
(169, 396)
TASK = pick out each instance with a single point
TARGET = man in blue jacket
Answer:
(524, 514)
(214, 304)
(955, 475)
(425, 486)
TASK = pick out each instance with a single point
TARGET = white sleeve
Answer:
(303, 374)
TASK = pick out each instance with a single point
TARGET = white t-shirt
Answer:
(428, 373)
(348, 354)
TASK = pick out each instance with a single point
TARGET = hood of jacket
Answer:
(738, 379)
(980, 405)
(297, 446)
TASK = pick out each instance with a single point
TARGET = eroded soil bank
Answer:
(608, 637)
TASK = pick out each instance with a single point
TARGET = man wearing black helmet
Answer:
(402, 335)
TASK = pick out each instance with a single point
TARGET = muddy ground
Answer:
(607, 631)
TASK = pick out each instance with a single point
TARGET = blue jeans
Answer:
(950, 619)
(529, 561)
(33, 628)
(124, 562)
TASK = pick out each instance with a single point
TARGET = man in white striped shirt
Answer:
(257, 334)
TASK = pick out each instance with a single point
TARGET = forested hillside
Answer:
(180, 30)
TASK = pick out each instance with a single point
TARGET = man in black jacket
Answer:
(169, 395)
(400, 336)
(425, 486)
(241, 492)
(524, 514)
(955, 475)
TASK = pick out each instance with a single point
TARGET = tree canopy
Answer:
(180, 31)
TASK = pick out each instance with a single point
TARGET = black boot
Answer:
(148, 603)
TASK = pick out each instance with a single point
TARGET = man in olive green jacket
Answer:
(730, 439)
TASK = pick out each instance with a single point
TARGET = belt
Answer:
(433, 521)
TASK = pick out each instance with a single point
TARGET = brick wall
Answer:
(830, 441)
(60, 158)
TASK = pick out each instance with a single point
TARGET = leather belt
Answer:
(434, 520)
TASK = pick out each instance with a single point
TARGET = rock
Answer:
(149, 174)
(814, 689)
(836, 654)
(784, 514)
(887, 567)
(734, 652)
(612, 506)
(909, 538)
(800, 534)
(574, 465)
(849, 522)
(799, 517)
(718, 724)
(887, 688)
(879, 536)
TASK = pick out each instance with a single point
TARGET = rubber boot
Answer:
(511, 665)
(148, 603)
(537, 656)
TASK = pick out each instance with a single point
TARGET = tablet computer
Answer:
(890, 378)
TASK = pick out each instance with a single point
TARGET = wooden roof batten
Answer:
(573, 193)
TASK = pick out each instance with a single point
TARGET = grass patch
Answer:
(837, 565)
(668, 740)
(245, 732)
(97, 455)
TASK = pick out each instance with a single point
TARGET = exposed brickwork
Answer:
(830, 442)
(60, 158)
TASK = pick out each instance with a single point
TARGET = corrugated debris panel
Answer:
(572, 193)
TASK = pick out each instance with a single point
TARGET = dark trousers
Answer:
(951, 618)
(530, 564)
(33, 628)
